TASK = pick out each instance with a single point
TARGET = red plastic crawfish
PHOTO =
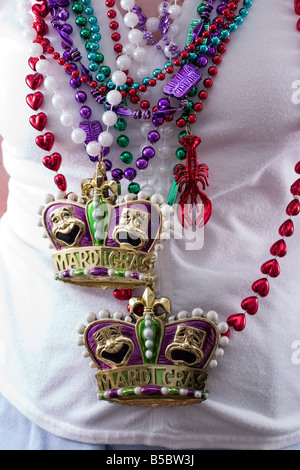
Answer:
(188, 177)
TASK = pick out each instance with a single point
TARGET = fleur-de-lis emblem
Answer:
(148, 304)
(107, 190)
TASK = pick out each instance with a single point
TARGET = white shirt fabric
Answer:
(250, 140)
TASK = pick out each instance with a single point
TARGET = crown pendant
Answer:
(149, 357)
(100, 241)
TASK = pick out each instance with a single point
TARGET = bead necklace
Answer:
(150, 323)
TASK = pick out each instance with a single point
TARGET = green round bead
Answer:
(182, 134)
(180, 153)
(134, 188)
(81, 21)
(121, 124)
(126, 157)
(85, 33)
(106, 70)
(77, 8)
(123, 141)
(99, 57)
(193, 91)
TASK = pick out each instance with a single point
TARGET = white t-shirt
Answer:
(250, 140)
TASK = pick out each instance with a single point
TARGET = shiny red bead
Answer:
(250, 305)
(55, 55)
(93, 84)
(118, 48)
(191, 47)
(261, 287)
(170, 69)
(221, 48)
(177, 62)
(278, 248)
(192, 119)
(113, 25)
(142, 88)
(135, 99)
(198, 107)
(293, 208)
(297, 6)
(237, 321)
(61, 61)
(208, 83)
(123, 93)
(152, 82)
(271, 268)
(217, 59)
(116, 37)
(111, 14)
(297, 168)
(287, 228)
(212, 28)
(180, 123)
(60, 182)
(110, 3)
(295, 188)
(161, 76)
(50, 49)
(38, 121)
(203, 95)
(213, 71)
(68, 67)
(184, 55)
(75, 74)
(145, 104)
(102, 89)
(129, 81)
(84, 79)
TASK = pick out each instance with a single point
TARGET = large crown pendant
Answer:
(150, 357)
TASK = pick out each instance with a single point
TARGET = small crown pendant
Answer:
(100, 240)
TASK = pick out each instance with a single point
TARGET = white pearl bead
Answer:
(50, 83)
(106, 139)
(145, 129)
(114, 97)
(222, 327)
(29, 33)
(197, 312)
(93, 149)
(152, 24)
(175, 11)
(157, 198)
(164, 151)
(219, 352)
(140, 54)
(173, 30)
(104, 314)
(128, 49)
(42, 66)
(131, 19)
(119, 78)
(142, 72)
(127, 4)
(58, 101)
(182, 314)
(135, 36)
(149, 354)
(224, 341)
(90, 317)
(25, 20)
(109, 118)
(36, 49)
(148, 333)
(161, 7)
(66, 118)
(212, 316)
(78, 135)
(213, 363)
(123, 62)
(149, 344)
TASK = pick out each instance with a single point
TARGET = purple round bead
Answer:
(75, 82)
(117, 174)
(142, 163)
(85, 112)
(163, 103)
(80, 96)
(108, 164)
(63, 15)
(202, 61)
(148, 152)
(153, 137)
(130, 173)
(157, 121)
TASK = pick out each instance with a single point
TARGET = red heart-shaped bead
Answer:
(261, 287)
(40, 26)
(42, 41)
(293, 208)
(52, 162)
(287, 228)
(237, 321)
(250, 305)
(34, 80)
(35, 100)
(40, 10)
(60, 182)
(271, 268)
(38, 121)
(297, 168)
(279, 248)
(123, 294)
(45, 141)
(295, 188)
(32, 62)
